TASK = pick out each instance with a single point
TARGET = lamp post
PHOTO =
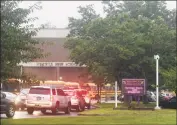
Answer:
(60, 78)
(115, 94)
(156, 57)
(21, 73)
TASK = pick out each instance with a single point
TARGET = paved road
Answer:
(38, 114)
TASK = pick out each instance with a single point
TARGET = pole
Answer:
(21, 73)
(157, 82)
(115, 94)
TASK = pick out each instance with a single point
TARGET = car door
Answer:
(172, 102)
(80, 97)
(2, 103)
(61, 97)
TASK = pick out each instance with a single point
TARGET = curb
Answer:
(97, 115)
(151, 109)
(95, 106)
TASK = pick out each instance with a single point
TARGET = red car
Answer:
(77, 100)
(86, 96)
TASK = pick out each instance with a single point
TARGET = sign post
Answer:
(115, 94)
(134, 87)
(156, 57)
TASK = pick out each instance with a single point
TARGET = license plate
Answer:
(38, 98)
(37, 105)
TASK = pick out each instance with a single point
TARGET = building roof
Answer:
(55, 49)
(52, 33)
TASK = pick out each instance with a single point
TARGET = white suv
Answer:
(47, 98)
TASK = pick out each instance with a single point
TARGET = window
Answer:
(70, 93)
(173, 100)
(83, 92)
(60, 92)
(24, 92)
(78, 94)
(42, 91)
(53, 92)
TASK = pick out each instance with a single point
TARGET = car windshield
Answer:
(84, 93)
(24, 91)
(69, 93)
(10, 95)
(42, 91)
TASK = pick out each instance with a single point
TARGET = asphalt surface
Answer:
(38, 114)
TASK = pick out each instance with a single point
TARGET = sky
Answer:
(57, 12)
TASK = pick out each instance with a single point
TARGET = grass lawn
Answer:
(164, 116)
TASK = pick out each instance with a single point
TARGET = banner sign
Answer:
(134, 87)
(50, 64)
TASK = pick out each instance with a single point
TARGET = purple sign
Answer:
(133, 87)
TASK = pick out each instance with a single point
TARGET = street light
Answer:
(115, 94)
(60, 78)
(156, 57)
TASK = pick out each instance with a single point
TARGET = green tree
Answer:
(149, 9)
(169, 77)
(122, 46)
(16, 38)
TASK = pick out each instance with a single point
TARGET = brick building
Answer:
(57, 64)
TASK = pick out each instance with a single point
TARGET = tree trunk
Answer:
(98, 89)
(100, 93)
(126, 98)
(144, 98)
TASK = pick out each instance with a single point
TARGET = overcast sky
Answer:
(57, 12)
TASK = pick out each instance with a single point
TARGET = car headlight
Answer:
(87, 99)
(74, 100)
(17, 100)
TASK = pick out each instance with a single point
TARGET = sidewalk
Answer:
(103, 101)
(110, 101)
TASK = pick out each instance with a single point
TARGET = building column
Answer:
(58, 73)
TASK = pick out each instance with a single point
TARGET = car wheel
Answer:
(68, 109)
(10, 111)
(78, 109)
(43, 111)
(88, 106)
(83, 107)
(22, 108)
(55, 110)
(30, 110)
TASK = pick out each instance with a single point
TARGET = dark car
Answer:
(171, 103)
(7, 105)
(21, 99)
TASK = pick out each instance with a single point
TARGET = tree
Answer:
(76, 26)
(77, 29)
(48, 25)
(149, 9)
(16, 38)
(122, 46)
(170, 79)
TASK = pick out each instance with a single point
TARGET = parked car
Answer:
(47, 98)
(21, 99)
(166, 96)
(7, 105)
(10, 95)
(151, 96)
(171, 103)
(77, 100)
(86, 96)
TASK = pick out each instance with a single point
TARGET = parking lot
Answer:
(38, 114)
